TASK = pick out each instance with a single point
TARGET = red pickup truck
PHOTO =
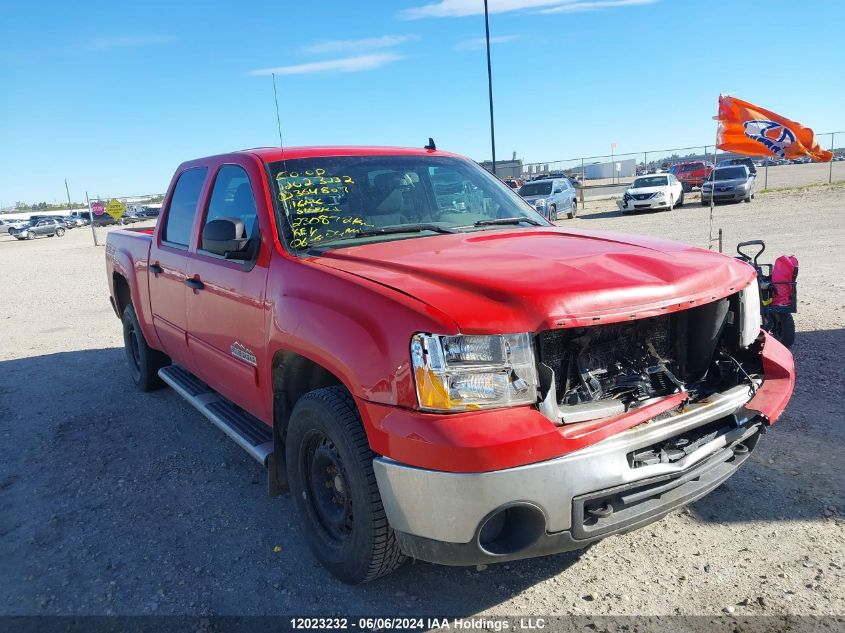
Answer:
(691, 174)
(429, 366)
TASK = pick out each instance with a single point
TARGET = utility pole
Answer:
(490, 84)
(67, 191)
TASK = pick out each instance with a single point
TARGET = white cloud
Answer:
(458, 8)
(370, 43)
(578, 7)
(342, 65)
(128, 41)
(479, 42)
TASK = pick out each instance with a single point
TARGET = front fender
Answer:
(357, 329)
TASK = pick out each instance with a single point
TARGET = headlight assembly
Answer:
(467, 372)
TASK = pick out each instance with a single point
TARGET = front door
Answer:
(226, 316)
(168, 265)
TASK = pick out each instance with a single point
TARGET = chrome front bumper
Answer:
(450, 508)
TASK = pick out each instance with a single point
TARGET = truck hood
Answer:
(532, 279)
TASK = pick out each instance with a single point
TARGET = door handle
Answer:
(196, 284)
(156, 269)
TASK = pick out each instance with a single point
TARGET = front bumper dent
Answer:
(634, 505)
(440, 516)
(643, 205)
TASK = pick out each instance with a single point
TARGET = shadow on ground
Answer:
(113, 501)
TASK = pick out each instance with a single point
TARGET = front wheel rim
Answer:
(326, 487)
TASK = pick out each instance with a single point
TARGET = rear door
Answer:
(226, 315)
(168, 264)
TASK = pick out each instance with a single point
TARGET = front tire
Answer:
(144, 361)
(330, 470)
(30, 236)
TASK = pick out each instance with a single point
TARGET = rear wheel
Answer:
(783, 328)
(680, 201)
(59, 232)
(553, 213)
(144, 361)
(330, 470)
(573, 210)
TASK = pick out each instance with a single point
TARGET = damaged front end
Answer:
(657, 364)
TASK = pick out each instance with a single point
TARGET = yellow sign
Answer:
(115, 208)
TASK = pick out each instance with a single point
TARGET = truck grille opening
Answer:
(693, 350)
(629, 361)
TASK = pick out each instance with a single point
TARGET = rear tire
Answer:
(144, 361)
(330, 470)
(553, 213)
(573, 210)
(783, 328)
(680, 201)
(60, 232)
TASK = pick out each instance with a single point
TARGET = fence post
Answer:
(91, 217)
(830, 172)
(645, 162)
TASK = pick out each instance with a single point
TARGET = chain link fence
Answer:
(610, 174)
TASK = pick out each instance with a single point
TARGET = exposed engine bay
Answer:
(604, 370)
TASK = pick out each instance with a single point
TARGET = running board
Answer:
(250, 433)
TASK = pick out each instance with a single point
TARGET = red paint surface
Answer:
(779, 369)
(354, 310)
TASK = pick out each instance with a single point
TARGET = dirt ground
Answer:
(117, 502)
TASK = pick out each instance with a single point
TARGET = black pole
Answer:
(490, 85)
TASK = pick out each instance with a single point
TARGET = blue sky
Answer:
(113, 96)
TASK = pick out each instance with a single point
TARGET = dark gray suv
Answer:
(38, 229)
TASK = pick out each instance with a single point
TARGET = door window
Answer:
(183, 207)
(232, 197)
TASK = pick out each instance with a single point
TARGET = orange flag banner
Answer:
(745, 128)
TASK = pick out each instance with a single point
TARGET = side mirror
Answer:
(226, 237)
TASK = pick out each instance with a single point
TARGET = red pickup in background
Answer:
(691, 174)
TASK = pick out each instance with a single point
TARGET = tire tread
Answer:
(386, 556)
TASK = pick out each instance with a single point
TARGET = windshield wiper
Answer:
(495, 221)
(404, 228)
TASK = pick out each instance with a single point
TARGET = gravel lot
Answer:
(117, 502)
